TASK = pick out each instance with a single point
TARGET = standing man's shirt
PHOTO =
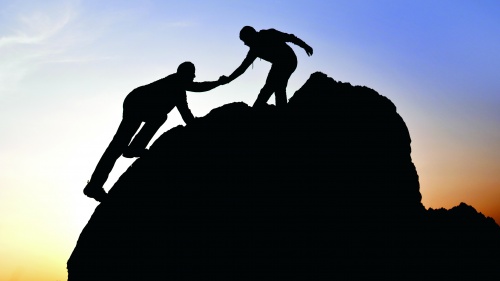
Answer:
(271, 46)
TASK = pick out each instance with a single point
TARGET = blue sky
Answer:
(66, 66)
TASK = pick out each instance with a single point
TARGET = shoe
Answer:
(131, 153)
(94, 191)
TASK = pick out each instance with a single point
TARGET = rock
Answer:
(324, 188)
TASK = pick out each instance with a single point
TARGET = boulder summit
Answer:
(322, 188)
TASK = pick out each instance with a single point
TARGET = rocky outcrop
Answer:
(323, 188)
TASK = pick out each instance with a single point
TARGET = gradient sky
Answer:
(66, 66)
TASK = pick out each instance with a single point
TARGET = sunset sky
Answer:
(66, 66)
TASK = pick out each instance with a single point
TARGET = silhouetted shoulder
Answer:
(324, 189)
(170, 80)
(273, 34)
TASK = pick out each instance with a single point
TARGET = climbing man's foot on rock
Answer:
(133, 153)
(95, 191)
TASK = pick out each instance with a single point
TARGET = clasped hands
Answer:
(223, 80)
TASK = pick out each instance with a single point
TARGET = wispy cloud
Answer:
(38, 36)
(68, 32)
(30, 40)
(37, 27)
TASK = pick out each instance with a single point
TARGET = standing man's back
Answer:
(271, 45)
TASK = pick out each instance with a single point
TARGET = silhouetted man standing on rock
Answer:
(150, 104)
(271, 46)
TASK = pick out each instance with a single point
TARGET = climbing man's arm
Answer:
(203, 86)
(184, 110)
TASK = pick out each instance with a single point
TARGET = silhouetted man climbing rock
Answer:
(150, 104)
(271, 46)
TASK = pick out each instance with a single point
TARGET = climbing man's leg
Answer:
(138, 145)
(120, 141)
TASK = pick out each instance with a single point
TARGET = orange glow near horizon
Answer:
(68, 64)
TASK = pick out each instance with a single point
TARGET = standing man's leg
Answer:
(141, 140)
(269, 87)
(264, 95)
(280, 93)
(276, 82)
(120, 141)
(284, 71)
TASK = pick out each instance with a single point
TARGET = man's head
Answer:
(247, 35)
(186, 71)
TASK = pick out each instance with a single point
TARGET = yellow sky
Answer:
(66, 65)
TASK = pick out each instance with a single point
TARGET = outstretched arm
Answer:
(243, 67)
(203, 86)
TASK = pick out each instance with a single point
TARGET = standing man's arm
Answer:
(295, 40)
(243, 67)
